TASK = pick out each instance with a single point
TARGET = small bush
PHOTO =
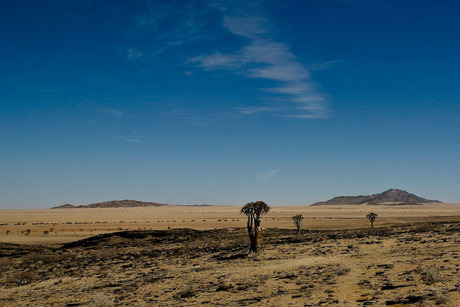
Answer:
(439, 297)
(23, 278)
(432, 275)
(189, 291)
(102, 300)
(43, 258)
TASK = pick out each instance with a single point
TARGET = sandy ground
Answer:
(65, 225)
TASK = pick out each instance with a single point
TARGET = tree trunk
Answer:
(372, 224)
(254, 239)
(254, 244)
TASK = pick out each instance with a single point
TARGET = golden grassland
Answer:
(65, 225)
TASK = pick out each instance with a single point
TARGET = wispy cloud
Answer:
(268, 174)
(326, 64)
(165, 26)
(264, 58)
(112, 111)
(255, 110)
(133, 138)
(134, 53)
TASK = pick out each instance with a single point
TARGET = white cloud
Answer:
(217, 61)
(326, 64)
(265, 58)
(261, 56)
(268, 174)
(134, 138)
(131, 140)
(293, 88)
(134, 53)
(255, 110)
(289, 72)
(112, 111)
(245, 26)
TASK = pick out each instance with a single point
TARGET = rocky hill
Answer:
(114, 204)
(391, 196)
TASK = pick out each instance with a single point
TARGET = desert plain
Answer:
(198, 255)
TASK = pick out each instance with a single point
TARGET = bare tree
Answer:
(254, 211)
(371, 217)
(298, 221)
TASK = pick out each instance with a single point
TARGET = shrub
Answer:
(432, 275)
(102, 300)
(439, 297)
(189, 291)
(298, 221)
(24, 278)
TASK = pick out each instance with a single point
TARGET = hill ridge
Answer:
(126, 203)
(393, 196)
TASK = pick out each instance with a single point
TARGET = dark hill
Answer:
(66, 206)
(391, 196)
(114, 204)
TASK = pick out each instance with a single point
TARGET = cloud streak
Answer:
(268, 174)
(112, 111)
(264, 58)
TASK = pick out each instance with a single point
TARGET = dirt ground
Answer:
(410, 258)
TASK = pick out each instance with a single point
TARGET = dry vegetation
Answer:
(413, 263)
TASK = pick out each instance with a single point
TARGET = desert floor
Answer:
(65, 225)
(410, 258)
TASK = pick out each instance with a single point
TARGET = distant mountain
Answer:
(66, 206)
(114, 204)
(391, 196)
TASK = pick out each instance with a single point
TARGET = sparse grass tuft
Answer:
(43, 258)
(102, 300)
(439, 297)
(24, 278)
(432, 275)
(189, 291)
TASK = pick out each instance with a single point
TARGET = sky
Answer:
(227, 102)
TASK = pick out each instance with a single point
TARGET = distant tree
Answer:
(46, 232)
(298, 221)
(51, 229)
(8, 232)
(371, 217)
(27, 232)
(254, 211)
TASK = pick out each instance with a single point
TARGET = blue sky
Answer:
(226, 102)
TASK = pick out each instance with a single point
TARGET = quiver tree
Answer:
(254, 211)
(371, 217)
(297, 221)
